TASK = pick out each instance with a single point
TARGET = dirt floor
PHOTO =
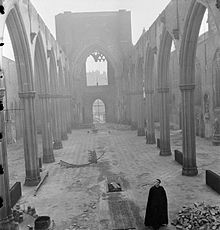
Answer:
(71, 196)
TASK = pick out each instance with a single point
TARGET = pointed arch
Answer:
(84, 53)
(189, 42)
(40, 66)
(164, 59)
(21, 49)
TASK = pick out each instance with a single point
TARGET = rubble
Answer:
(199, 216)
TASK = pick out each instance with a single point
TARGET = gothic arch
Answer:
(84, 53)
(21, 49)
(40, 66)
(163, 90)
(187, 84)
(43, 105)
(189, 42)
(23, 59)
(164, 59)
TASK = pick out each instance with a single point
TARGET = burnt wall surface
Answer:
(76, 30)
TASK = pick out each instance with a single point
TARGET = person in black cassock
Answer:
(156, 211)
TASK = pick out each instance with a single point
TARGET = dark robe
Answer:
(156, 211)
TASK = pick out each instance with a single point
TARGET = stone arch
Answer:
(187, 84)
(216, 78)
(163, 90)
(84, 53)
(164, 59)
(40, 78)
(21, 49)
(17, 32)
(189, 42)
(43, 105)
(104, 102)
(40, 66)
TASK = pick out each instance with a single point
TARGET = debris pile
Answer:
(198, 217)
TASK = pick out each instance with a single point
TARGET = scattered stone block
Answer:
(178, 156)
(213, 180)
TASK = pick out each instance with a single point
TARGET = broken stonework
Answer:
(198, 217)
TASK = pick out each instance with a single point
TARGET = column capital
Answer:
(149, 91)
(28, 94)
(163, 90)
(184, 87)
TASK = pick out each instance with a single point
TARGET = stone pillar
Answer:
(189, 147)
(150, 134)
(57, 142)
(47, 141)
(140, 113)
(63, 118)
(30, 139)
(164, 122)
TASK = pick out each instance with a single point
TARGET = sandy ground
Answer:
(70, 196)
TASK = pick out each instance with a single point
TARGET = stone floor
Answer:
(71, 196)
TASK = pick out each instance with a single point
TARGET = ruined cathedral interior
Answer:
(88, 120)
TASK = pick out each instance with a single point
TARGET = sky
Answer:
(143, 13)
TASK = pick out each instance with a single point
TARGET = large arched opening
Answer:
(42, 101)
(98, 112)
(24, 70)
(103, 84)
(187, 84)
(164, 91)
(96, 69)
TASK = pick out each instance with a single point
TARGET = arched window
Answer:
(96, 70)
(216, 78)
(98, 110)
